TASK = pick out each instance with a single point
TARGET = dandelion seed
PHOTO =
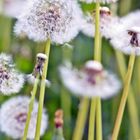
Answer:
(13, 8)
(13, 114)
(90, 81)
(57, 20)
(11, 81)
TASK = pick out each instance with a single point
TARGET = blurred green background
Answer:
(24, 54)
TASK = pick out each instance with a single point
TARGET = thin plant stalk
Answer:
(98, 120)
(42, 91)
(92, 120)
(66, 107)
(7, 35)
(132, 107)
(124, 97)
(31, 104)
(66, 100)
(81, 119)
(96, 101)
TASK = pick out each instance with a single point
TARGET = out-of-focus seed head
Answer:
(127, 40)
(13, 114)
(106, 20)
(92, 78)
(12, 8)
(11, 81)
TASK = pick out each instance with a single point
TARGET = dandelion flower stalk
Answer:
(97, 56)
(124, 97)
(132, 107)
(31, 104)
(7, 35)
(81, 119)
(42, 91)
(66, 106)
(92, 120)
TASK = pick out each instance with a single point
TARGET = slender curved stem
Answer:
(42, 92)
(81, 119)
(132, 107)
(124, 98)
(31, 104)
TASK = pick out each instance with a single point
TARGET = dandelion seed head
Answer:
(57, 20)
(101, 1)
(90, 82)
(106, 20)
(11, 81)
(128, 41)
(13, 114)
(13, 8)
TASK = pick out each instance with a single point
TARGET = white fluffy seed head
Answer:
(58, 20)
(13, 8)
(90, 83)
(126, 37)
(11, 81)
(106, 21)
(128, 41)
(13, 114)
(101, 1)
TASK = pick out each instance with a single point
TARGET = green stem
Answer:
(58, 134)
(31, 104)
(7, 35)
(97, 45)
(132, 107)
(99, 120)
(92, 120)
(124, 7)
(81, 119)
(96, 102)
(42, 92)
(124, 97)
(1, 6)
(66, 107)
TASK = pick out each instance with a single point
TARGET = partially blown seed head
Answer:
(91, 81)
